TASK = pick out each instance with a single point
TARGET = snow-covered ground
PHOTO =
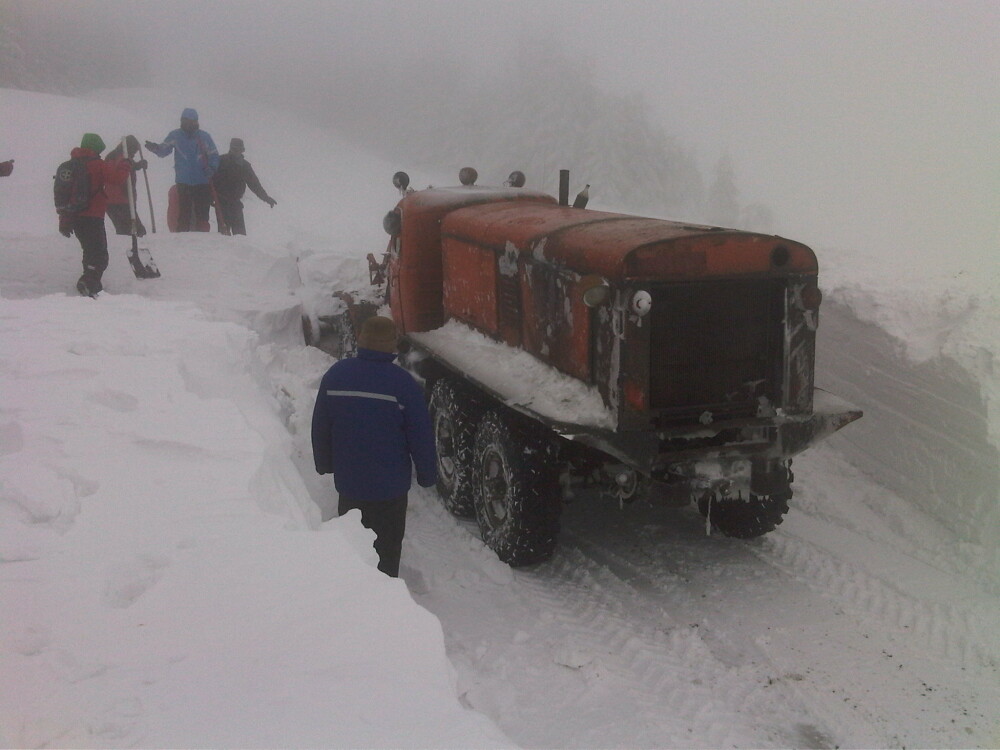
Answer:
(166, 578)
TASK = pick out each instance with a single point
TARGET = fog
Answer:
(859, 127)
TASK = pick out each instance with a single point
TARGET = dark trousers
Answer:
(387, 518)
(232, 214)
(196, 200)
(121, 217)
(94, 241)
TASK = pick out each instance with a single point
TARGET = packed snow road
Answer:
(861, 622)
(644, 632)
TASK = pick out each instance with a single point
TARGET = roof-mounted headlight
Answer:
(468, 176)
(516, 179)
(401, 181)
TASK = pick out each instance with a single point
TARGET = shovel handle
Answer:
(149, 196)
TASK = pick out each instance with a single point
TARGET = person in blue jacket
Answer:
(370, 427)
(196, 160)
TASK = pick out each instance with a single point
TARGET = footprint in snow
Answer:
(129, 580)
(115, 400)
(30, 640)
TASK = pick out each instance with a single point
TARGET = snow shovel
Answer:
(149, 195)
(139, 257)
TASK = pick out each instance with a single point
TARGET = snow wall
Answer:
(926, 433)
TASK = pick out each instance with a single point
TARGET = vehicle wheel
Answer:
(745, 517)
(337, 335)
(517, 494)
(455, 413)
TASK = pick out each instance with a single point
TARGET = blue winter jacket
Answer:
(196, 158)
(369, 421)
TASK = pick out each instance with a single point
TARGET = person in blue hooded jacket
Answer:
(196, 159)
(370, 427)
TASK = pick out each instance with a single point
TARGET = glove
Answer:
(141, 164)
(66, 226)
(270, 201)
(6, 167)
(152, 146)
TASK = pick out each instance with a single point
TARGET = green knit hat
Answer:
(93, 142)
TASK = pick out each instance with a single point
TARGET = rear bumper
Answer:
(724, 448)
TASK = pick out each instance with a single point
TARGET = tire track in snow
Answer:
(941, 628)
(560, 654)
(874, 685)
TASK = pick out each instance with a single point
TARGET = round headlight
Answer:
(642, 303)
(594, 289)
(401, 181)
(391, 223)
(811, 297)
(516, 179)
(468, 176)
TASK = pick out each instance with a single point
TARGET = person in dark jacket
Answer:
(195, 160)
(235, 175)
(370, 423)
(118, 208)
(88, 224)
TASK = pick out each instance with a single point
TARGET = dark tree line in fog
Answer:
(540, 113)
(538, 110)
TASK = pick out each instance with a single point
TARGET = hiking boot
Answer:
(86, 290)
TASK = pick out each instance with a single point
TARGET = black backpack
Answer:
(71, 191)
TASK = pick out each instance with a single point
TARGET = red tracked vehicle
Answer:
(667, 360)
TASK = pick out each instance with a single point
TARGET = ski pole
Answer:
(145, 176)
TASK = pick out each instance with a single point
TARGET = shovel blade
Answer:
(143, 265)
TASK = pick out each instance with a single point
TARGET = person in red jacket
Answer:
(118, 209)
(88, 224)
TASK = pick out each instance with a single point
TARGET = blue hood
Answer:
(190, 114)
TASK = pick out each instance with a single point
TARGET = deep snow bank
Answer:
(920, 356)
(164, 579)
(926, 431)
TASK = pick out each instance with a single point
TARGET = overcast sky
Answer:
(871, 125)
